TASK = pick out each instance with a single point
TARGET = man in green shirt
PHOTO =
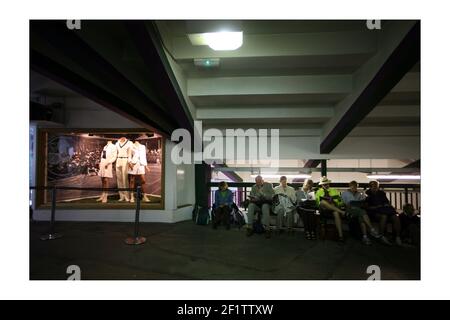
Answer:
(260, 201)
(330, 201)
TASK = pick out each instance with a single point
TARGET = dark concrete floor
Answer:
(186, 251)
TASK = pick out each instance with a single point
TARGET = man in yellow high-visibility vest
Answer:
(330, 201)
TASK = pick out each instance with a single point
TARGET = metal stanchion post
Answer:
(52, 235)
(136, 239)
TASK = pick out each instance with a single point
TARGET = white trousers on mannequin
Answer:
(122, 177)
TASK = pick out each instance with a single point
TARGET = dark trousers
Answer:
(375, 214)
(310, 220)
(222, 214)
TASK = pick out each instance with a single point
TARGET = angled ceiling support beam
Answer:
(399, 62)
(69, 45)
(147, 40)
(233, 176)
(312, 163)
(414, 164)
(55, 71)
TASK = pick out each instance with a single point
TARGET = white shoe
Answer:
(366, 241)
(385, 241)
(131, 200)
(101, 198)
(375, 234)
(145, 199)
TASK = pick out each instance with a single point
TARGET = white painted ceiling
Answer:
(300, 69)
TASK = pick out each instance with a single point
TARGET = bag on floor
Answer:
(202, 217)
(237, 217)
(258, 227)
(194, 213)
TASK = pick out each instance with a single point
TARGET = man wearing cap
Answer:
(329, 200)
(260, 200)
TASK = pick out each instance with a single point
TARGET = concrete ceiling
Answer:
(298, 76)
(43, 86)
(295, 73)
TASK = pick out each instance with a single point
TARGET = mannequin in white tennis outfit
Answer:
(109, 155)
(136, 168)
(123, 146)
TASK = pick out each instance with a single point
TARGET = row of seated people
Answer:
(285, 202)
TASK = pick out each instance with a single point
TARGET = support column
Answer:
(202, 180)
(323, 167)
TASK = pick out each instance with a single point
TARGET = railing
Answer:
(52, 234)
(398, 194)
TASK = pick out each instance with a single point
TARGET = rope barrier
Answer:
(53, 235)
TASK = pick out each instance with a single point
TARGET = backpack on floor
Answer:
(195, 213)
(237, 217)
(258, 227)
(202, 217)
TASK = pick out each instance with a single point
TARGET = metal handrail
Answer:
(398, 193)
(336, 185)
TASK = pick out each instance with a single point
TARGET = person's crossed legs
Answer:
(336, 214)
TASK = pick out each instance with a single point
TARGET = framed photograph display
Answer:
(77, 158)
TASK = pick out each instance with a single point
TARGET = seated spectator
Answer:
(329, 201)
(410, 222)
(260, 201)
(223, 200)
(378, 206)
(307, 208)
(285, 207)
(354, 201)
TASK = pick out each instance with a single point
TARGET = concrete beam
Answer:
(265, 112)
(399, 51)
(289, 44)
(395, 111)
(409, 83)
(377, 131)
(316, 84)
(312, 163)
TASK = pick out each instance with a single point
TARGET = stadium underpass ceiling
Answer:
(298, 76)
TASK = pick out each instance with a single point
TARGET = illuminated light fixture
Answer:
(393, 177)
(277, 176)
(207, 63)
(219, 41)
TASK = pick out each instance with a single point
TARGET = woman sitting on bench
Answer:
(222, 205)
(307, 208)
